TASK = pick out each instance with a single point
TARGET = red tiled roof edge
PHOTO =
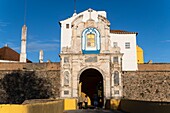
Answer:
(122, 32)
(6, 53)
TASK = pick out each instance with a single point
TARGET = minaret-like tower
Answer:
(23, 55)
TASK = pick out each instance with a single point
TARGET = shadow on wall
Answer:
(135, 106)
(20, 86)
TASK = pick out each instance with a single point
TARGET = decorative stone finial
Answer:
(6, 45)
(74, 14)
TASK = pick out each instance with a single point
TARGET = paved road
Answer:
(91, 111)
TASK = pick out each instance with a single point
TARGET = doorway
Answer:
(92, 84)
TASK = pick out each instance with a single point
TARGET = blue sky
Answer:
(150, 18)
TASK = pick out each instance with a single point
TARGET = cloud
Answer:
(46, 45)
(2, 25)
(11, 44)
(35, 45)
(166, 41)
(16, 48)
(55, 40)
(32, 37)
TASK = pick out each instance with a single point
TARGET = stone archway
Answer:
(92, 84)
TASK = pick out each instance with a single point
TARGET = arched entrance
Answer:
(92, 84)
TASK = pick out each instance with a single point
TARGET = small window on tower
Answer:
(115, 59)
(67, 26)
(127, 45)
(66, 92)
(66, 59)
(114, 44)
(116, 92)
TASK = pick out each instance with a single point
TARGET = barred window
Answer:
(127, 45)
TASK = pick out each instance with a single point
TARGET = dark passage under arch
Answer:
(92, 84)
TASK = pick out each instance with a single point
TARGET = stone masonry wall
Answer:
(154, 67)
(30, 66)
(147, 85)
(20, 81)
(30, 81)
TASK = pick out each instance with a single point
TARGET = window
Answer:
(67, 26)
(116, 92)
(115, 59)
(116, 78)
(91, 40)
(127, 45)
(66, 92)
(114, 44)
(66, 78)
(66, 59)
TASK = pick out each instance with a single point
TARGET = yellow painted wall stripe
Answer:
(49, 107)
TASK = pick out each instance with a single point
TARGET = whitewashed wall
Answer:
(129, 59)
(66, 33)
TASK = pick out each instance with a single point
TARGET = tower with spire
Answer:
(23, 55)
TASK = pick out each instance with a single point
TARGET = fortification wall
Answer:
(147, 85)
(154, 67)
(20, 81)
(17, 86)
(134, 106)
(150, 83)
(30, 66)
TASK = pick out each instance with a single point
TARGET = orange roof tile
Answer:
(122, 32)
(7, 53)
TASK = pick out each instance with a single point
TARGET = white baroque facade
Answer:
(93, 56)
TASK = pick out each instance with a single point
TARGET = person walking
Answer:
(95, 101)
(80, 102)
(86, 101)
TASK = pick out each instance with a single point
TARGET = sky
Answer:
(150, 18)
